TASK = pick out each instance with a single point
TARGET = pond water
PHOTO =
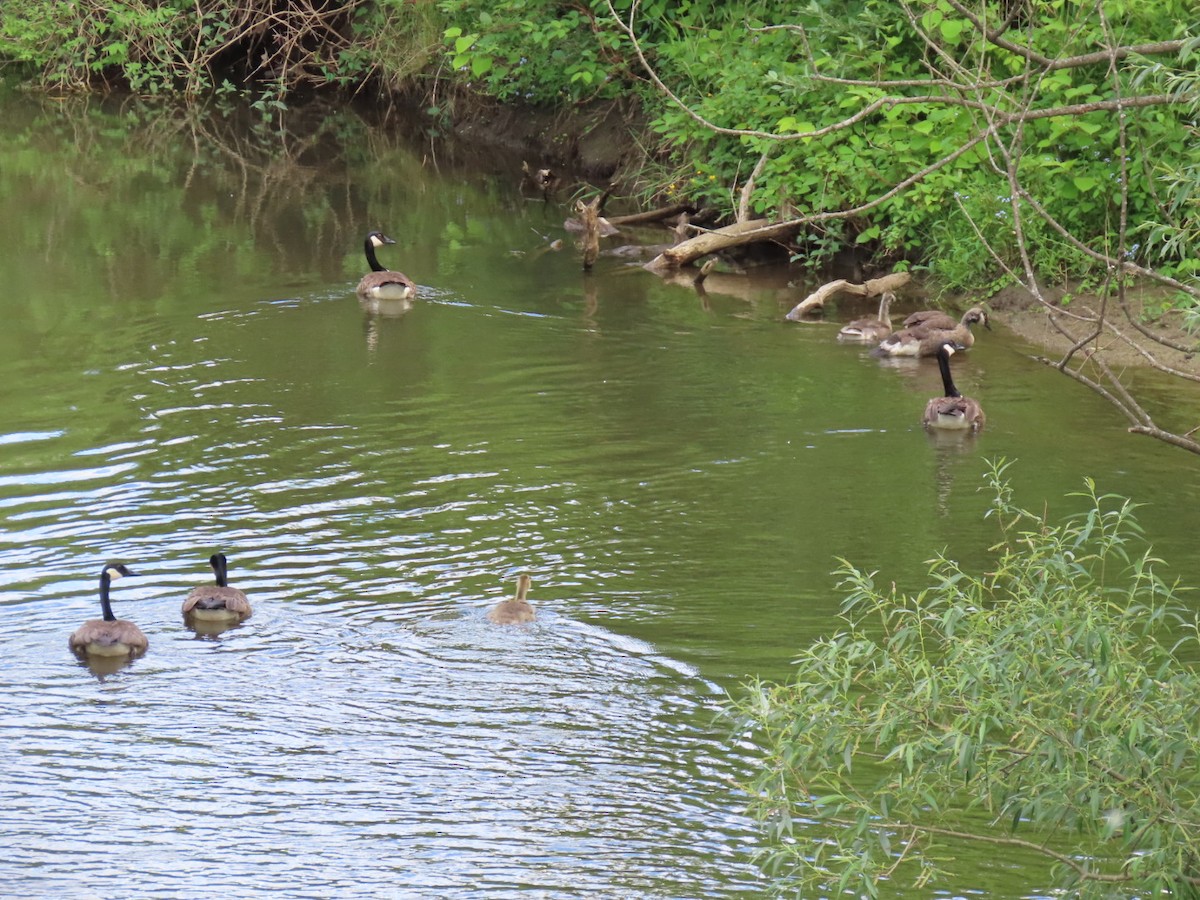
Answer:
(186, 369)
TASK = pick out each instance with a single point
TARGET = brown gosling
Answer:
(217, 602)
(870, 330)
(931, 318)
(516, 611)
(952, 412)
(109, 636)
(380, 283)
(922, 340)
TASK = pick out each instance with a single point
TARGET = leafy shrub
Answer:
(536, 51)
(1033, 705)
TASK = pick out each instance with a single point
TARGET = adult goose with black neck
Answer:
(109, 636)
(217, 602)
(953, 411)
(381, 283)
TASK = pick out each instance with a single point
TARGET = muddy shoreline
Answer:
(1016, 310)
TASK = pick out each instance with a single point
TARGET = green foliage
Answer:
(150, 47)
(536, 51)
(866, 50)
(395, 41)
(1173, 235)
(193, 47)
(795, 74)
(1032, 705)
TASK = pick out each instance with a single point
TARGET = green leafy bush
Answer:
(194, 47)
(1034, 705)
(916, 82)
(534, 51)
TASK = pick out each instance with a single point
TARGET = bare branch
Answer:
(1110, 55)
(743, 211)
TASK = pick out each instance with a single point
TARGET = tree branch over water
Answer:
(1000, 96)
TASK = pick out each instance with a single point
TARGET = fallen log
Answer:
(650, 215)
(871, 288)
(717, 240)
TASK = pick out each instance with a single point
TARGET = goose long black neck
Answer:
(943, 356)
(372, 261)
(105, 581)
(221, 568)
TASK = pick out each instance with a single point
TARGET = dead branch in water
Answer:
(651, 215)
(717, 240)
(589, 214)
(872, 288)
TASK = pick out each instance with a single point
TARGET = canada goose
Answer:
(931, 318)
(380, 283)
(217, 602)
(869, 330)
(922, 340)
(953, 412)
(516, 611)
(109, 636)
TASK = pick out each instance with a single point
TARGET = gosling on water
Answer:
(925, 338)
(516, 611)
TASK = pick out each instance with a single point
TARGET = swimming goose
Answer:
(921, 340)
(953, 412)
(516, 611)
(380, 283)
(109, 636)
(870, 329)
(931, 318)
(217, 602)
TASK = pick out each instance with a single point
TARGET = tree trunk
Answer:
(721, 239)
(872, 288)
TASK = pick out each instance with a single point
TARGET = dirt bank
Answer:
(1017, 310)
(597, 142)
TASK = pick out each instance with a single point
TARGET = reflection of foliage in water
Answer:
(180, 190)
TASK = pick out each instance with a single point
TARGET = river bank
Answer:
(603, 146)
(1073, 320)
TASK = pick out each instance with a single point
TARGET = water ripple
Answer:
(367, 732)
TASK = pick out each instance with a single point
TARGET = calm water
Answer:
(185, 368)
